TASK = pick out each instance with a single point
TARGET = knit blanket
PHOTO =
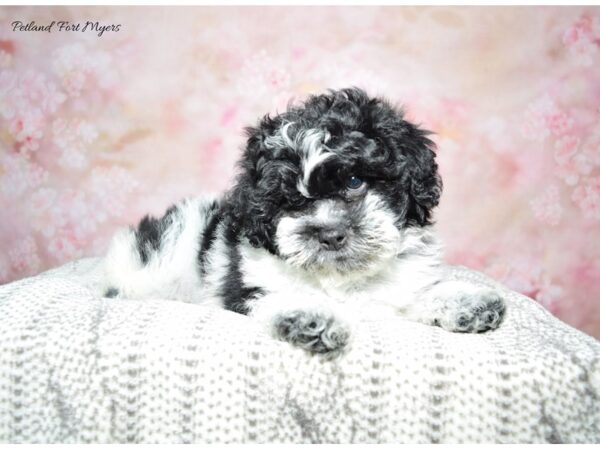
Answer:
(76, 367)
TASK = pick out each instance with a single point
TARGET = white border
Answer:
(297, 3)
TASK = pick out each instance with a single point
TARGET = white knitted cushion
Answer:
(78, 368)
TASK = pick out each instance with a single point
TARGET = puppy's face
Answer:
(331, 184)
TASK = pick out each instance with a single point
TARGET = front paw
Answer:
(472, 312)
(315, 332)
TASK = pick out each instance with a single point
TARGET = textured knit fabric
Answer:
(75, 367)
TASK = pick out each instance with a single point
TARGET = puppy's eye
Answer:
(354, 182)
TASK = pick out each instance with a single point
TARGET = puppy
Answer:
(328, 224)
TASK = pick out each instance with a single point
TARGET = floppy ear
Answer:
(411, 160)
(250, 208)
(424, 182)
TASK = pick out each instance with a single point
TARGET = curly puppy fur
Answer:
(328, 224)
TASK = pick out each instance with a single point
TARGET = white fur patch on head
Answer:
(328, 212)
(381, 234)
(309, 143)
(314, 152)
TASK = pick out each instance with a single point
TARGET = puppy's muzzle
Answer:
(332, 238)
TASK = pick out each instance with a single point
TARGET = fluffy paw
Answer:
(473, 312)
(314, 332)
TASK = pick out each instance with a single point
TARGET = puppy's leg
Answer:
(458, 306)
(309, 321)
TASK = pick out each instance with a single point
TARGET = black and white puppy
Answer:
(327, 225)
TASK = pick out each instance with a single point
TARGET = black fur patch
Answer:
(233, 291)
(208, 236)
(149, 232)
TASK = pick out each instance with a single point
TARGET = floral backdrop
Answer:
(102, 124)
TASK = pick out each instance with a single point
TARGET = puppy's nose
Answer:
(332, 238)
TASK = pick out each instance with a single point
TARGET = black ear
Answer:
(250, 204)
(410, 156)
(424, 183)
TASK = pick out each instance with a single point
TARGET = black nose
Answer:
(332, 238)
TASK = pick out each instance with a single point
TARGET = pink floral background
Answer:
(96, 131)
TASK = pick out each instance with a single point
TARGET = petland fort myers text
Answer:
(66, 26)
